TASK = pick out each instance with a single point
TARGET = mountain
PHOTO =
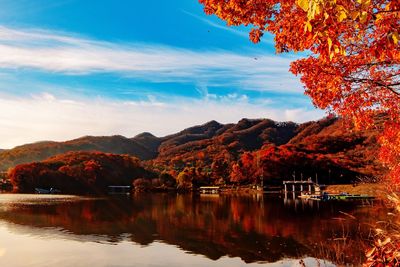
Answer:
(331, 147)
(357, 150)
(43, 150)
(213, 138)
(150, 142)
(214, 143)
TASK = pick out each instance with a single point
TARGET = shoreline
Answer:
(378, 190)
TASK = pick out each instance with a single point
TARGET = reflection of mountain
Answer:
(246, 227)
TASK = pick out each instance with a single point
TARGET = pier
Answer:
(209, 189)
(300, 186)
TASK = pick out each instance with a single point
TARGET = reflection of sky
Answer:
(21, 250)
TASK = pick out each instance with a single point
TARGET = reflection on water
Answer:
(189, 229)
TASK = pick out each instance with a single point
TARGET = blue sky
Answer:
(70, 68)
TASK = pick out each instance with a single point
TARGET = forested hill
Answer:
(215, 141)
(43, 150)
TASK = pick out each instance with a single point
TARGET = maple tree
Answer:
(354, 66)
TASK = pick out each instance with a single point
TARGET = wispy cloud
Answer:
(47, 117)
(216, 25)
(230, 29)
(71, 55)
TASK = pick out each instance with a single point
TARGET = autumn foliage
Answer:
(42, 150)
(215, 154)
(241, 153)
(354, 68)
(78, 173)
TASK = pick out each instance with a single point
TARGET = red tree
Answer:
(354, 69)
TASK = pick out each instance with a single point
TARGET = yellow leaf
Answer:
(329, 44)
(395, 37)
(326, 15)
(303, 4)
(312, 10)
(308, 26)
(363, 17)
(337, 50)
(366, 3)
(341, 15)
(331, 55)
(318, 9)
(359, 1)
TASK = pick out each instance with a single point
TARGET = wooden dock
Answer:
(209, 189)
(301, 186)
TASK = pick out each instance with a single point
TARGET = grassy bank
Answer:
(377, 190)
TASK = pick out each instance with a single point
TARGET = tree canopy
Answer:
(353, 68)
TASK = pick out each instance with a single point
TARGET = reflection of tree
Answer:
(247, 227)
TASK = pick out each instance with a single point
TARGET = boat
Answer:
(47, 191)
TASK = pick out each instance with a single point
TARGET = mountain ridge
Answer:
(213, 140)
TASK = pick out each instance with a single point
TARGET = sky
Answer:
(70, 68)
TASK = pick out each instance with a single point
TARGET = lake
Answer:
(182, 230)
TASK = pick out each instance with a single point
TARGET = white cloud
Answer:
(63, 53)
(46, 117)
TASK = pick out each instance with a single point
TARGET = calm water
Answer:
(180, 230)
